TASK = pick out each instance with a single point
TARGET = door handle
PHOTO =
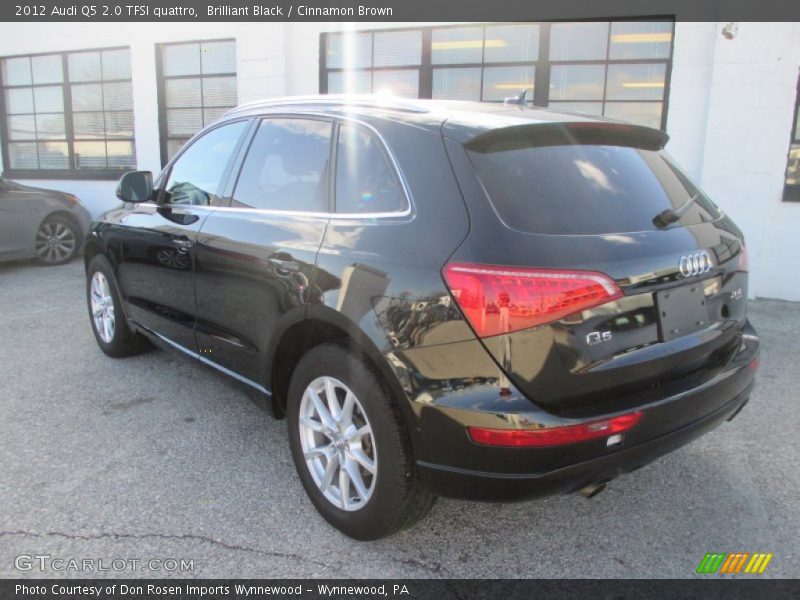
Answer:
(183, 244)
(284, 268)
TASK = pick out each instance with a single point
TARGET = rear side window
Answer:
(366, 182)
(286, 167)
(584, 189)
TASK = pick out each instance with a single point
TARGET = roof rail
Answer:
(359, 100)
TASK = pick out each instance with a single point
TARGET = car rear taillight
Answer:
(743, 261)
(496, 299)
(554, 436)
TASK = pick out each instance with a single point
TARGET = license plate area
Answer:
(681, 311)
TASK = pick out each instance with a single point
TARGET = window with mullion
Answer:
(68, 114)
(374, 62)
(488, 63)
(198, 86)
(619, 69)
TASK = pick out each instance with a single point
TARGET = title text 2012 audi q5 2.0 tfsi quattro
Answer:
(457, 299)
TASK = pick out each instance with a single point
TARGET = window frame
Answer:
(542, 64)
(791, 192)
(232, 177)
(71, 173)
(483, 65)
(161, 90)
(233, 165)
(372, 69)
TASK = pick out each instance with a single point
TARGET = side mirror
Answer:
(135, 186)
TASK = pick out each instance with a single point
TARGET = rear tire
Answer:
(57, 241)
(371, 446)
(109, 325)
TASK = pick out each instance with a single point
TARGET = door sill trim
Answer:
(210, 363)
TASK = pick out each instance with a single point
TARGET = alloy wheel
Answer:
(338, 443)
(102, 305)
(55, 242)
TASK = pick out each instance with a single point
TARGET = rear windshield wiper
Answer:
(671, 215)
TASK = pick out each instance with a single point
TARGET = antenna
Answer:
(518, 100)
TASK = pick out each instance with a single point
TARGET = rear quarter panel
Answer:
(382, 276)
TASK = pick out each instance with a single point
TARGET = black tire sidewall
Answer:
(75, 232)
(378, 517)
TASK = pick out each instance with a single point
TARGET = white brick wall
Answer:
(752, 94)
(729, 118)
(689, 94)
(260, 63)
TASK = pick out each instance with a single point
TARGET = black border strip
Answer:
(403, 10)
(707, 587)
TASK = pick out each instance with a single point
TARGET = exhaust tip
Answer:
(591, 490)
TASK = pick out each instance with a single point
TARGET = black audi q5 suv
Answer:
(442, 298)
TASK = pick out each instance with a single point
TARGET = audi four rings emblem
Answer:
(695, 264)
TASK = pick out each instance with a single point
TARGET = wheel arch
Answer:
(91, 249)
(64, 214)
(94, 244)
(321, 325)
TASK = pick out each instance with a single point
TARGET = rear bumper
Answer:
(520, 473)
(479, 485)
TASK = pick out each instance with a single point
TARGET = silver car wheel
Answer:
(55, 242)
(102, 304)
(338, 444)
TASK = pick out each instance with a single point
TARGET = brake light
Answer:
(496, 299)
(554, 436)
(743, 260)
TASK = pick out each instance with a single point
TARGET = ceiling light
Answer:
(468, 44)
(643, 84)
(641, 38)
(513, 86)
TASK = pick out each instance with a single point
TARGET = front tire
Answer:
(109, 326)
(350, 447)
(57, 241)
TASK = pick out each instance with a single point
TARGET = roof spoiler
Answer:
(594, 133)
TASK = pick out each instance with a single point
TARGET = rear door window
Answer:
(366, 181)
(584, 189)
(286, 167)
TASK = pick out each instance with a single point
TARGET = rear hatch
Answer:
(596, 273)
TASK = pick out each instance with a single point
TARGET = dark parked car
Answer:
(458, 299)
(36, 222)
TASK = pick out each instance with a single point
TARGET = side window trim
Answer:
(333, 160)
(164, 176)
(330, 204)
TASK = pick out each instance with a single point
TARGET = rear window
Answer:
(585, 189)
